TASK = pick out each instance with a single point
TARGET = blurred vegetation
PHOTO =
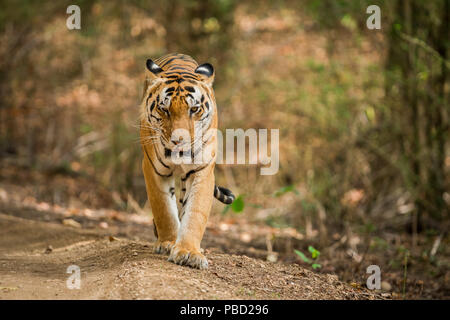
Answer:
(363, 114)
(408, 132)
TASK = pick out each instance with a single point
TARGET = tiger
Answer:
(178, 96)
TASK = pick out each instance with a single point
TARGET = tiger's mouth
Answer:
(176, 148)
(177, 153)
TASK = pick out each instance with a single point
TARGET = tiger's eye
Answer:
(194, 109)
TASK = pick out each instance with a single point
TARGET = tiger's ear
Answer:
(153, 67)
(151, 77)
(206, 72)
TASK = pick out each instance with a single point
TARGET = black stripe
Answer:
(194, 171)
(223, 195)
(180, 79)
(177, 67)
(159, 174)
(167, 62)
(189, 77)
(196, 152)
(226, 191)
(163, 58)
(182, 73)
(183, 203)
(228, 200)
(159, 119)
(149, 96)
(159, 159)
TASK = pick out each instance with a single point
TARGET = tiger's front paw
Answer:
(192, 258)
(162, 247)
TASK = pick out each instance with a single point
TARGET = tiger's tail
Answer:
(223, 195)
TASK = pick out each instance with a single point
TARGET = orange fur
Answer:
(178, 234)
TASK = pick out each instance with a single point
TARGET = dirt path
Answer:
(126, 269)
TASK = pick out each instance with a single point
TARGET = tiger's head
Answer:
(178, 104)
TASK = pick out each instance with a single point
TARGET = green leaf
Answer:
(85, 128)
(284, 190)
(314, 252)
(348, 22)
(302, 256)
(370, 113)
(316, 266)
(238, 204)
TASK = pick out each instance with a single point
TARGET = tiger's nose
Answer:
(177, 141)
